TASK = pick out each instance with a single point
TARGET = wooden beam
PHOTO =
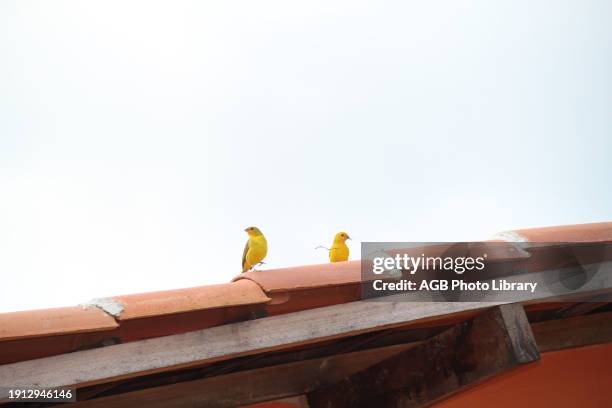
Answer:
(251, 386)
(370, 340)
(138, 358)
(296, 377)
(462, 356)
(573, 332)
(582, 308)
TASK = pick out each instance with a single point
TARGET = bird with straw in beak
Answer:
(339, 251)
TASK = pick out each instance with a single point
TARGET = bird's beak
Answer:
(347, 237)
(246, 230)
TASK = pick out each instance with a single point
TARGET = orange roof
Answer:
(249, 295)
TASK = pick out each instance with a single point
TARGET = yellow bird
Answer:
(255, 249)
(339, 251)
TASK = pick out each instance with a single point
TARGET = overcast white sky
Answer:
(139, 138)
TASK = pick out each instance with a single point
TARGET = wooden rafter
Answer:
(251, 386)
(467, 353)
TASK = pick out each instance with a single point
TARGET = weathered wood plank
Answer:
(522, 345)
(462, 356)
(94, 366)
(251, 386)
(370, 340)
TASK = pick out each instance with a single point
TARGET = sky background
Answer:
(139, 138)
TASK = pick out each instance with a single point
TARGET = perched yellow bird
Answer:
(339, 251)
(255, 249)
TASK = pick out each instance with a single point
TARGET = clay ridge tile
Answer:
(189, 299)
(305, 277)
(48, 322)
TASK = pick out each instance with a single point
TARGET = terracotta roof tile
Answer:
(48, 322)
(308, 287)
(305, 277)
(190, 299)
